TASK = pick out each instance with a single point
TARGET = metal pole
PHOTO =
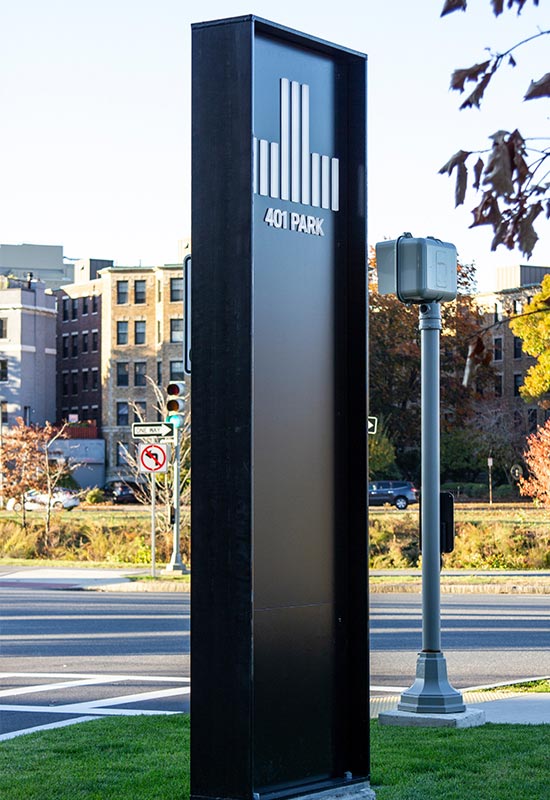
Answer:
(153, 526)
(176, 564)
(431, 692)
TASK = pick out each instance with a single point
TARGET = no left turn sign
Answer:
(153, 457)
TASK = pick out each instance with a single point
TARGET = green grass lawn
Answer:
(147, 758)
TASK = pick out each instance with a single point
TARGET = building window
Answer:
(65, 384)
(159, 331)
(159, 291)
(517, 347)
(3, 370)
(122, 416)
(85, 342)
(140, 411)
(498, 312)
(65, 346)
(140, 291)
(176, 371)
(518, 421)
(140, 373)
(84, 306)
(74, 308)
(95, 341)
(139, 331)
(94, 304)
(122, 454)
(497, 349)
(65, 309)
(122, 332)
(3, 328)
(85, 375)
(122, 373)
(74, 345)
(176, 290)
(532, 420)
(176, 330)
(121, 293)
(95, 379)
(518, 381)
(74, 382)
(159, 373)
(4, 412)
(518, 307)
(498, 385)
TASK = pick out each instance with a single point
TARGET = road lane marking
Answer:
(49, 726)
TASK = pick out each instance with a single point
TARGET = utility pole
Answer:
(431, 692)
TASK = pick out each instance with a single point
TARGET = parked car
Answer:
(397, 493)
(119, 492)
(36, 501)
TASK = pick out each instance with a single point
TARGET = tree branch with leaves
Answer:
(513, 174)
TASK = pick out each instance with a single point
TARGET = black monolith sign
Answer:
(279, 643)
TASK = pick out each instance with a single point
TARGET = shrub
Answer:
(95, 495)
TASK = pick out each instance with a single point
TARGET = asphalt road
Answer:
(486, 639)
(67, 656)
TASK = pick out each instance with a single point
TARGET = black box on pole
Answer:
(279, 641)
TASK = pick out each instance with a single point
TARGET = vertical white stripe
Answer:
(285, 138)
(295, 131)
(305, 146)
(325, 182)
(274, 169)
(264, 167)
(255, 166)
(335, 184)
(315, 180)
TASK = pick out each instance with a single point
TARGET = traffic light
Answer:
(175, 403)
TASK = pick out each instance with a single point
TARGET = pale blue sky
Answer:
(95, 102)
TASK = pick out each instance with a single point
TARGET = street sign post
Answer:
(146, 430)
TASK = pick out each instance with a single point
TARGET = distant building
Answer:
(142, 338)
(79, 355)
(27, 351)
(515, 288)
(42, 261)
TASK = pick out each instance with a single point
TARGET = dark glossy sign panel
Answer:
(279, 573)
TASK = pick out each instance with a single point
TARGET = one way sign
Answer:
(372, 425)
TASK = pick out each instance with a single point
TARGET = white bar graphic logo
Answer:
(287, 170)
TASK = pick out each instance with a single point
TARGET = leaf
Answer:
(540, 88)
(527, 237)
(478, 169)
(461, 183)
(487, 212)
(453, 5)
(458, 158)
(511, 60)
(498, 7)
(460, 76)
(475, 98)
(498, 172)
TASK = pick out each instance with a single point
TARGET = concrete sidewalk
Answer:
(65, 578)
(517, 708)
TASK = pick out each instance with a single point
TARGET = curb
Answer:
(466, 588)
(375, 588)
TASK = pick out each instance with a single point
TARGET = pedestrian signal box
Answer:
(417, 270)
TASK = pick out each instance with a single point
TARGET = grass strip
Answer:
(147, 758)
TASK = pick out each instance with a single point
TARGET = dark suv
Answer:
(397, 493)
